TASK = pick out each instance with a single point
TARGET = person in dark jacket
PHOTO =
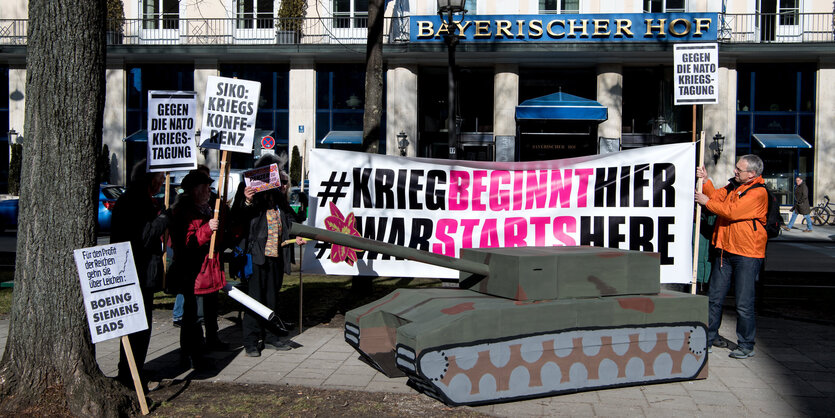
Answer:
(137, 219)
(265, 224)
(801, 205)
(191, 231)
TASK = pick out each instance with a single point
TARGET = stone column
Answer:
(113, 129)
(401, 108)
(302, 113)
(721, 118)
(824, 175)
(505, 99)
(17, 98)
(610, 94)
(203, 69)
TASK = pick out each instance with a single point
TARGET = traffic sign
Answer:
(267, 142)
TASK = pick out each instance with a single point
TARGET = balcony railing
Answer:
(732, 28)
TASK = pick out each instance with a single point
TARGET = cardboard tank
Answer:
(529, 322)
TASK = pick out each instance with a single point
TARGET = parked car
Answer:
(108, 194)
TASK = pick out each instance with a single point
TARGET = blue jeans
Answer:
(744, 272)
(806, 217)
(178, 308)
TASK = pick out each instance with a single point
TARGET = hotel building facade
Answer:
(776, 78)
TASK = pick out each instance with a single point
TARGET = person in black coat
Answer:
(801, 205)
(264, 223)
(137, 219)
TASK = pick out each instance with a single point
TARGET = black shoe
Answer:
(178, 323)
(720, 343)
(277, 345)
(252, 352)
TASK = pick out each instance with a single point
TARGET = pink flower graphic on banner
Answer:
(346, 225)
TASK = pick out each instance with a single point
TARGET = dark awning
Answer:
(142, 136)
(781, 141)
(343, 138)
(562, 106)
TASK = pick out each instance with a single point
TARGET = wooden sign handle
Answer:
(698, 222)
(224, 159)
(137, 382)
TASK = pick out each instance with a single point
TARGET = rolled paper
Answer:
(249, 302)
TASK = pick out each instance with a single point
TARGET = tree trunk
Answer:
(373, 114)
(49, 355)
(373, 77)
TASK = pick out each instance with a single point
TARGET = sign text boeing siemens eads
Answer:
(634, 27)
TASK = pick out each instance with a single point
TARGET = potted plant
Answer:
(290, 22)
(115, 22)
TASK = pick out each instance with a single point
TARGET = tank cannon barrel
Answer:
(352, 241)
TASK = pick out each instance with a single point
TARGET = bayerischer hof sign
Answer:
(633, 27)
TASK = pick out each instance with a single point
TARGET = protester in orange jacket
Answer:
(740, 238)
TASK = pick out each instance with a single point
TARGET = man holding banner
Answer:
(740, 238)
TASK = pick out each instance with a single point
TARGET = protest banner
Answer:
(262, 178)
(113, 299)
(696, 73)
(229, 114)
(638, 199)
(171, 126)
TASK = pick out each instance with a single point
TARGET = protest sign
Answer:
(638, 199)
(696, 73)
(109, 285)
(262, 178)
(171, 126)
(229, 114)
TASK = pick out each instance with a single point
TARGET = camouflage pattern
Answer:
(531, 322)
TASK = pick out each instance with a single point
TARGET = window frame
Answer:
(560, 8)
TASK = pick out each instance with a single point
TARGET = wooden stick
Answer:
(165, 234)
(698, 223)
(301, 286)
(137, 383)
(222, 186)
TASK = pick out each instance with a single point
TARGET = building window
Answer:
(559, 6)
(350, 13)
(788, 12)
(340, 101)
(4, 129)
(255, 14)
(273, 105)
(161, 14)
(665, 6)
(140, 79)
(471, 6)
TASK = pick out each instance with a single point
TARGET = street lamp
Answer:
(718, 145)
(402, 142)
(446, 9)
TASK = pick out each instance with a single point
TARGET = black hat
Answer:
(194, 179)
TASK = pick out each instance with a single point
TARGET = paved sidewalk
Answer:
(792, 374)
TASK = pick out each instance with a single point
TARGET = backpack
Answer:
(773, 220)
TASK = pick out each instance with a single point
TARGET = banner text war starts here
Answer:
(628, 232)
(641, 185)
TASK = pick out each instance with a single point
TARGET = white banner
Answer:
(696, 73)
(109, 285)
(229, 114)
(171, 116)
(639, 199)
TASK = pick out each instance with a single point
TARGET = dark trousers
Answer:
(139, 342)
(744, 272)
(191, 333)
(264, 286)
(207, 314)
